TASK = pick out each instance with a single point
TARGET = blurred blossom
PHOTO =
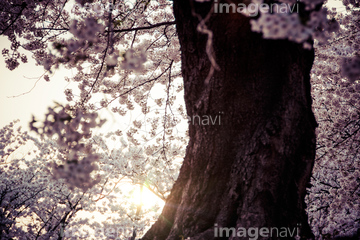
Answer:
(133, 60)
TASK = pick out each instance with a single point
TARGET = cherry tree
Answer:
(38, 203)
(52, 21)
(333, 202)
(33, 205)
(250, 171)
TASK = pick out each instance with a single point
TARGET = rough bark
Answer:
(252, 169)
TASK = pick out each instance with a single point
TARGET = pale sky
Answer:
(22, 80)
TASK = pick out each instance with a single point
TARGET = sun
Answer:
(142, 195)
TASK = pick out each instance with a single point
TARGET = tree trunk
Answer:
(251, 168)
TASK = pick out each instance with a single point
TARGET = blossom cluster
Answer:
(85, 31)
(70, 129)
(29, 192)
(351, 68)
(333, 202)
(32, 204)
(116, 69)
(133, 60)
(11, 59)
(289, 25)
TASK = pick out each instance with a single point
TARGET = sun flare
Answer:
(143, 196)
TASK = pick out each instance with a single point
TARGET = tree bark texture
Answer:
(252, 169)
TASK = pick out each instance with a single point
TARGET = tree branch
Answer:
(120, 30)
(144, 28)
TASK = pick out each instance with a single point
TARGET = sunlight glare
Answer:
(143, 196)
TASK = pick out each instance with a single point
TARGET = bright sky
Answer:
(22, 80)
